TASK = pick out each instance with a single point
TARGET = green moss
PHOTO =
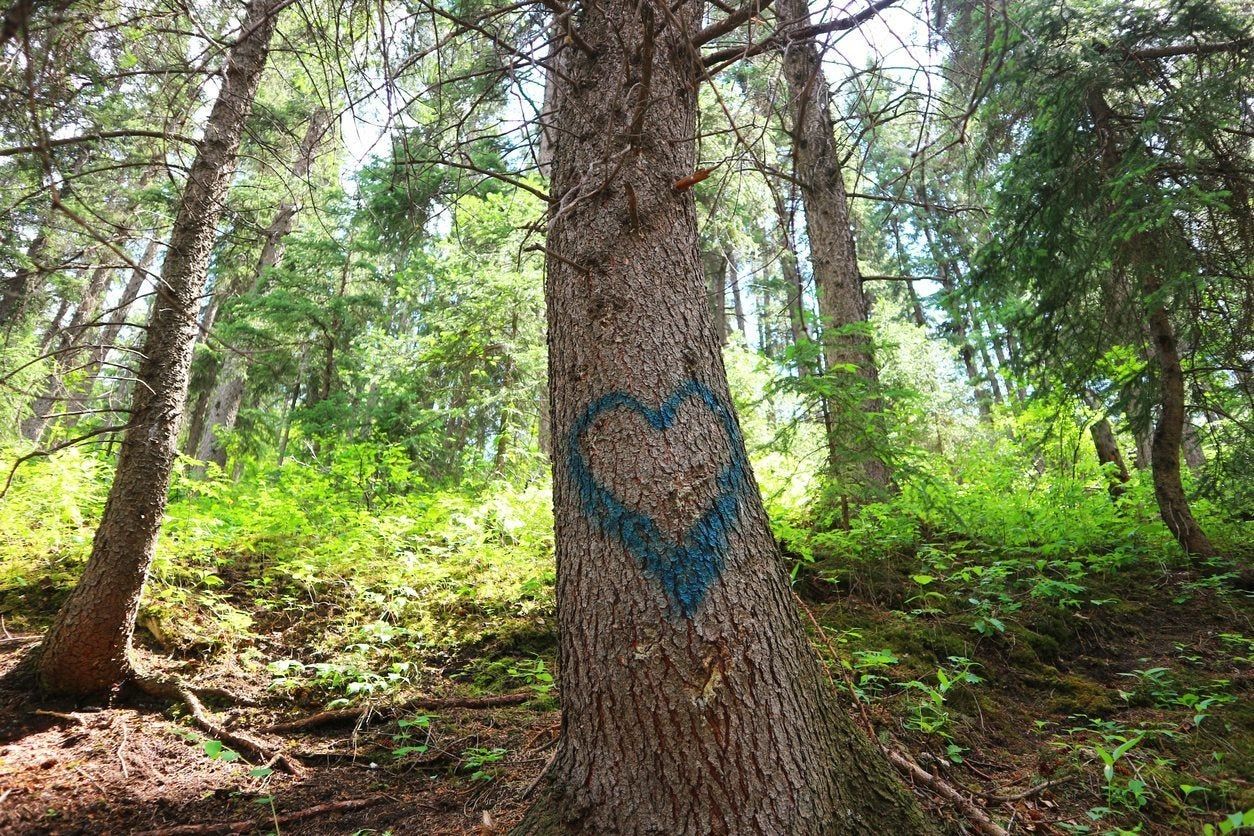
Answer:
(1076, 694)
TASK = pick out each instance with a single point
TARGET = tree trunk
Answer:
(86, 650)
(69, 349)
(738, 304)
(1107, 447)
(716, 269)
(793, 286)
(833, 258)
(227, 392)
(81, 397)
(1139, 252)
(1173, 505)
(1194, 456)
(692, 702)
(981, 340)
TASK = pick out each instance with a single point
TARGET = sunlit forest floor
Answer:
(1044, 650)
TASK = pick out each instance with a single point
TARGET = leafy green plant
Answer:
(477, 758)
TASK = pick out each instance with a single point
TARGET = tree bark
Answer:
(692, 702)
(227, 392)
(86, 650)
(738, 303)
(1107, 447)
(1194, 456)
(833, 257)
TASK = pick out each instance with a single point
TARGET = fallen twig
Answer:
(360, 713)
(246, 825)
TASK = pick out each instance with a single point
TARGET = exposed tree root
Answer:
(170, 688)
(364, 714)
(248, 825)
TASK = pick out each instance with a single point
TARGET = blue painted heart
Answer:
(685, 568)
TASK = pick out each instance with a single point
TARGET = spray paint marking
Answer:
(685, 569)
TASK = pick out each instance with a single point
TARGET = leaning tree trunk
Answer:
(1107, 447)
(692, 702)
(833, 258)
(69, 350)
(1173, 505)
(86, 650)
(227, 393)
(1141, 252)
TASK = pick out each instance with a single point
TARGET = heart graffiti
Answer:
(685, 569)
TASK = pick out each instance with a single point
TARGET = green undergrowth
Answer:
(992, 611)
(1024, 619)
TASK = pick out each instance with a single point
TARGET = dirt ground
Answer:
(136, 768)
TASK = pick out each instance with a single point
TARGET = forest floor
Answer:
(1017, 721)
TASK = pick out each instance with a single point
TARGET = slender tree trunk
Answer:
(1139, 252)
(692, 702)
(716, 269)
(981, 340)
(738, 304)
(996, 337)
(916, 305)
(68, 352)
(793, 286)
(833, 258)
(227, 391)
(1194, 456)
(81, 398)
(1108, 453)
(1014, 356)
(1173, 505)
(86, 650)
(958, 330)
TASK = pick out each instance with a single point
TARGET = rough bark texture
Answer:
(227, 393)
(85, 651)
(692, 702)
(1194, 455)
(738, 302)
(1140, 254)
(1173, 505)
(834, 260)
